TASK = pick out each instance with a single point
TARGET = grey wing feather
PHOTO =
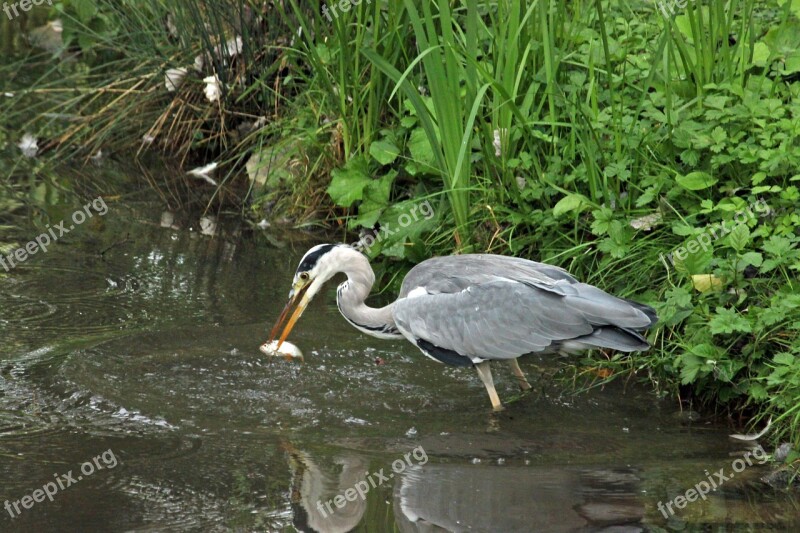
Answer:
(494, 307)
(456, 272)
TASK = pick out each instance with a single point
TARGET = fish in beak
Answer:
(298, 300)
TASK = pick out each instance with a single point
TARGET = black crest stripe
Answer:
(308, 262)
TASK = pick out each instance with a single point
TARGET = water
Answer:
(141, 342)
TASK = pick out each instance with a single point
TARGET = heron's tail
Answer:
(611, 337)
(617, 322)
(647, 310)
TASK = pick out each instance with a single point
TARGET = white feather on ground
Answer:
(203, 173)
(213, 89)
(174, 78)
(29, 145)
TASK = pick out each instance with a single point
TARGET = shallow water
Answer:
(141, 341)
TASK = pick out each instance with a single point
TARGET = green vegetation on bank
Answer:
(652, 149)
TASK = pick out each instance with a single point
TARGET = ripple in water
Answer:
(21, 310)
(87, 303)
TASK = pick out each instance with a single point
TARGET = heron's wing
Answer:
(476, 309)
(456, 272)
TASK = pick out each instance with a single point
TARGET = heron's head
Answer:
(320, 264)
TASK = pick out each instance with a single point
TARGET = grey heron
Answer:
(468, 310)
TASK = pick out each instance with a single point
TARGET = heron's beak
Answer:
(297, 301)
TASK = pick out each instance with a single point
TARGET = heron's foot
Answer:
(524, 386)
(522, 381)
(518, 397)
(485, 373)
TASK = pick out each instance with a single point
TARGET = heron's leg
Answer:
(522, 381)
(485, 373)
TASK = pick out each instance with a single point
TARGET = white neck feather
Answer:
(351, 294)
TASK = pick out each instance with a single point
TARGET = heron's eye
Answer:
(304, 276)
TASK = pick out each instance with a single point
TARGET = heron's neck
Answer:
(350, 298)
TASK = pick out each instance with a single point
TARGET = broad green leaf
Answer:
(690, 367)
(707, 351)
(368, 214)
(791, 64)
(348, 183)
(614, 247)
(758, 177)
(728, 321)
(766, 188)
(683, 230)
(402, 225)
(699, 361)
(695, 258)
(739, 237)
(782, 308)
(778, 376)
(752, 259)
(602, 220)
(718, 135)
(677, 307)
(384, 151)
(757, 391)
(571, 202)
(420, 147)
(716, 102)
(778, 246)
(760, 54)
(696, 181)
(374, 202)
(86, 9)
(783, 40)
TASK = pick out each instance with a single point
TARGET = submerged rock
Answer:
(783, 478)
(782, 452)
(270, 165)
(48, 37)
